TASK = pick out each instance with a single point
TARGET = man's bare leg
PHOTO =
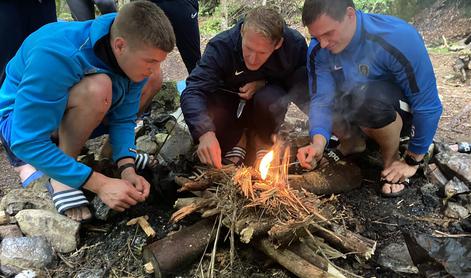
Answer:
(388, 139)
(25, 171)
(89, 100)
(153, 85)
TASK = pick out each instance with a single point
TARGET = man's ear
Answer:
(279, 43)
(350, 13)
(119, 45)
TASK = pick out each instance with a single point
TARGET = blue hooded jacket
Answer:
(36, 90)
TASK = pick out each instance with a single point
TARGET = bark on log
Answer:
(309, 255)
(347, 240)
(329, 178)
(172, 253)
(290, 260)
(336, 235)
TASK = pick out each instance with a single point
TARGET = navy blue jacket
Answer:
(222, 66)
(391, 50)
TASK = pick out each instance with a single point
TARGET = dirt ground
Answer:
(365, 212)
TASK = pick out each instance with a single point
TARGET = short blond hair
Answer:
(143, 22)
(265, 21)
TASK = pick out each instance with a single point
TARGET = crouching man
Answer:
(244, 81)
(369, 75)
(82, 79)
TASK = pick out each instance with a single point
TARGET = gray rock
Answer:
(396, 257)
(454, 210)
(161, 137)
(457, 164)
(429, 195)
(59, 230)
(29, 273)
(22, 253)
(10, 231)
(146, 144)
(435, 176)
(179, 143)
(19, 199)
(91, 273)
(455, 186)
(100, 210)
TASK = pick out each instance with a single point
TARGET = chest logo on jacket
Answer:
(364, 69)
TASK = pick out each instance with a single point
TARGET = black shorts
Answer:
(372, 105)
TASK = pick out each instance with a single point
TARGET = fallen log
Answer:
(309, 255)
(289, 260)
(326, 179)
(334, 234)
(170, 254)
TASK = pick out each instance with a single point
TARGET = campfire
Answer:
(295, 227)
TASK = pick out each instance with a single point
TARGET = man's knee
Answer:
(92, 92)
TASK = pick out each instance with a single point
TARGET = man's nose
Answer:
(324, 43)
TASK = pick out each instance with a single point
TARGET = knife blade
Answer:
(240, 108)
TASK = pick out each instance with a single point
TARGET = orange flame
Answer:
(265, 164)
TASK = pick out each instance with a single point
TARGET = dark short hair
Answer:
(336, 9)
(143, 22)
(265, 21)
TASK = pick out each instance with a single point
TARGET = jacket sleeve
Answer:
(205, 79)
(39, 107)
(321, 90)
(122, 121)
(413, 72)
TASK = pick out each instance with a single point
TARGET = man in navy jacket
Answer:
(369, 74)
(262, 62)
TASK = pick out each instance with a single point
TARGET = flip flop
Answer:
(144, 160)
(236, 152)
(393, 194)
(67, 199)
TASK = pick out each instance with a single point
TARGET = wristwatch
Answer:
(409, 160)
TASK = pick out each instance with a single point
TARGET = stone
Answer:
(161, 137)
(146, 144)
(100, 210)
(457, 164)
(20, 253)
(10, 231)
(179, 143)
(455, 186)
(396, 257)
(454, 210)
(429, 195)
(61, 231)
(29, 273)
(435, 176)
(19, 199)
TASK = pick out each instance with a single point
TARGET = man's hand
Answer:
(310, 154)
(115, 193)
(398, 171)
(209, 151)
(139, 182)
(248, 90)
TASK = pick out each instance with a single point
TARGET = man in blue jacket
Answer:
(369, 73)
(245, 80)
(79, 79)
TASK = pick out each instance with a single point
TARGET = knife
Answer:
(240, 108)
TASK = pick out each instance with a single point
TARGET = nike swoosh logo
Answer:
(337, 67)
(238, 72)
(194, 15)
